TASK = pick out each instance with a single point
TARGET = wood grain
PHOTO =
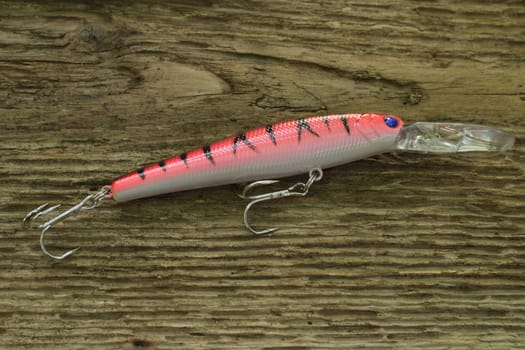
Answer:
(394, 252)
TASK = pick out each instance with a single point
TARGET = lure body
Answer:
(282, 149)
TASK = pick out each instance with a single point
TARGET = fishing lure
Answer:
(287, 148)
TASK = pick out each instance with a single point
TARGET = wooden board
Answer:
(403, 251)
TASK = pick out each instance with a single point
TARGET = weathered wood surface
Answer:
(393, 252)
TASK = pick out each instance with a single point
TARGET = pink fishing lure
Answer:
(272, 151)
(287, 148)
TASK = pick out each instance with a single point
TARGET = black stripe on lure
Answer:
(304, 125)
(270, 133)
(241, 137)
(207, 152)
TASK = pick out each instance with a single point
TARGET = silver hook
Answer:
(87, 203)
(298, 189)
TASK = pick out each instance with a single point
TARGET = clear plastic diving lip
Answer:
(441, 138)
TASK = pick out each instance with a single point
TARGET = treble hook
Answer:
(298, 189)
(87, 203)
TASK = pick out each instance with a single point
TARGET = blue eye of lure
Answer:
(390, 121)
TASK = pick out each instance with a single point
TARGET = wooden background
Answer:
(395, 252)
